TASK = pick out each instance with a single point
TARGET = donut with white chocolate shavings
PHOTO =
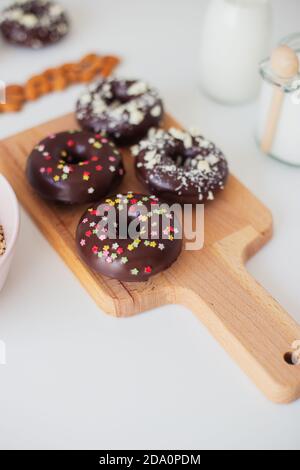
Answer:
(180, 166)
(124, 109)
(74, 167)
(34, 23)
(129, 257)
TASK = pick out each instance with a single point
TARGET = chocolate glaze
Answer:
(126, 259)
(74, 167)
(124, 109)
(180, 167)
(34, 23)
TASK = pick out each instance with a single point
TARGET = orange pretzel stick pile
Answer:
(57, 79)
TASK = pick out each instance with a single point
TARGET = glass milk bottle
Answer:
(284, 144)
(235, 39)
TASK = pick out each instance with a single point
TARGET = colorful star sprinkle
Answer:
(120, 250)
(70, 156)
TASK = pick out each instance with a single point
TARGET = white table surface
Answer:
(77, 378)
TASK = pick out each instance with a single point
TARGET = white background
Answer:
(76, 378)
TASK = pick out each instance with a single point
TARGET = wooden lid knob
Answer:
(285, 62)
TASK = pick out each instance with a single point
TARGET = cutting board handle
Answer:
(243, 317)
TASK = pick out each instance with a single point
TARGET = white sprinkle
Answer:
(29, 21)
(203, 165)
(85, 98)
(156, 111)
(135, 116)
(135, 150)
(137, 88)
(178, 134)
(212, 159)
(204, 143)
(98, 106)
(56, 10)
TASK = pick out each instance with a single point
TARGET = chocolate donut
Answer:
(124, 256)
(34, 23)
(180, 166)
(74, 167)
(124, 109)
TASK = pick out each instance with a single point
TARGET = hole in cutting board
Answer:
(288, 357)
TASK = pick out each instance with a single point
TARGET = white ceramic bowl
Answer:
(10, 220)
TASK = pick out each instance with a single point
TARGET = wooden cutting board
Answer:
(213, 282)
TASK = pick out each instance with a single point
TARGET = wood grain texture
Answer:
(213, 282)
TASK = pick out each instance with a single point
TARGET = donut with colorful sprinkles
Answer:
(34, 23)
(179, 166)
(74, 167)
(110, 246)
(124, 109)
